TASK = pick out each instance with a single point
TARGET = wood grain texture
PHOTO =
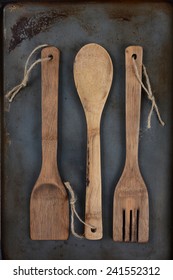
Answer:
(49, 209)
(130, 204)
(93, 73)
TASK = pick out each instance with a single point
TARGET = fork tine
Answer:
(123, 227)
(127, 226)
(117, 223)
(134, 226)
(143, 223)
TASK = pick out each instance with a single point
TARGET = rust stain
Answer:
(7, 139)
(28, 27)
(124, 14)
(114, 15)
(89, 28)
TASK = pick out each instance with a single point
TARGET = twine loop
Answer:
(73, 200)
(149, 92)
(27, 70)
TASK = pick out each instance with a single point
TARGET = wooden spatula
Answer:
(49, 209)
(131, 207)
(93, 73)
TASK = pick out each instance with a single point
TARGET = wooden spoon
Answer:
(93, 72)
(49, 209)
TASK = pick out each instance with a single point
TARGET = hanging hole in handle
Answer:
(93, 230)
(50, 56)
(134, 56)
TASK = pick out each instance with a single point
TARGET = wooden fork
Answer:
(130, 205)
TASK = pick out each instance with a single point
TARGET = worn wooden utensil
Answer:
(93, 73)
(130, 205)
(49, 209)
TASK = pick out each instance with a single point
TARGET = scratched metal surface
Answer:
(69, 27)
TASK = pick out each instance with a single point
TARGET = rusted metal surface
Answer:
(69, 26)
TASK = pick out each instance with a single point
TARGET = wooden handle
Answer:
(93, 206)
(133, 104)
(50, 80)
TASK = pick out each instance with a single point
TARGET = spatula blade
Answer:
(48, 209)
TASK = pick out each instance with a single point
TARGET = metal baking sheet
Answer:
(69, 26)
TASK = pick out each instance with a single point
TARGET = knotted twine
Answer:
(27, 70)
(73, 200)
(148, 90)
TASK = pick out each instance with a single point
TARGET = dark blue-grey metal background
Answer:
(68, 27)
